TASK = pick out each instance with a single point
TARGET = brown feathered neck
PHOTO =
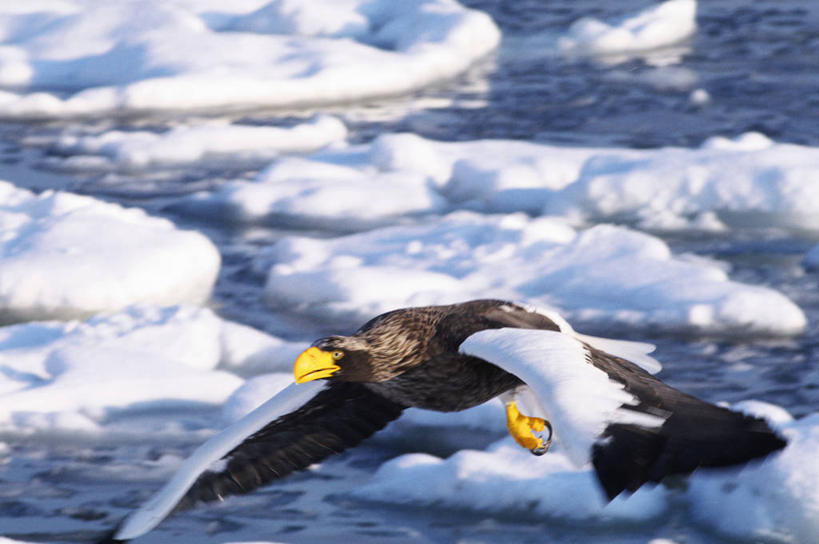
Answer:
(385, 346)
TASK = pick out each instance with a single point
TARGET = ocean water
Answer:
(758, 62)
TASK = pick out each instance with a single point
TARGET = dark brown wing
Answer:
(695, 433)
(338, 417)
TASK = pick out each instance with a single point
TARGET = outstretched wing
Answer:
(524, 316)
(301, 425)
(604, 409)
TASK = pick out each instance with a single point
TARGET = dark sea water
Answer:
(758, 61)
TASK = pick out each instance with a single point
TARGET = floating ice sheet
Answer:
(208, 144)
(507, 479)
(308, 193)
(60, 378)
(63, 255)
(774, 500)
(604, 273)
(192, 54)
(749, 181)
(662, 25)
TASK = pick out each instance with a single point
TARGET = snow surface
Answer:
(80, 57)
(507, 479)
(63, 255)
(658, 26)
(776, 499)
(69, 379)
(587, 274)
(309, 193)
(211, 143)
(749, 181)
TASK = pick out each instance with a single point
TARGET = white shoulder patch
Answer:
(155, 509)
(578, 398)
(636, 352)
(551, 313)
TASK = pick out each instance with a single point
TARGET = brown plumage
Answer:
(411, 358)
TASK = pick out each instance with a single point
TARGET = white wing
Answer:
(636, 352)
(162, 503)
(578, 398)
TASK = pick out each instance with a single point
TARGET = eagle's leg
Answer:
(528, 431)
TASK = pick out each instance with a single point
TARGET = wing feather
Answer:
(633, 427)
(300, 426)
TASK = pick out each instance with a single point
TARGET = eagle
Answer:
(597, 397)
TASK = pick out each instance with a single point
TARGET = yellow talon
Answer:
(522, 429)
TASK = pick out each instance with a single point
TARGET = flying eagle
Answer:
(598, 396)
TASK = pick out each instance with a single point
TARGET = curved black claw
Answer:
(546, 442)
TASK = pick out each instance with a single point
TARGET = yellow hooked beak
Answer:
(313, 364)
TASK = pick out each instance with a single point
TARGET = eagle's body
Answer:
(630, 425)
(434, 374)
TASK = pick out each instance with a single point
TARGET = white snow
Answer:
(146, 56)
(313, 193)
(508, 479)
(604, 273)
(749, 181)
(63, 255)
(776, 499)
(210, 143)
(60, 378)
(662, 25)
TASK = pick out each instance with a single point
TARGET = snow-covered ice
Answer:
(64, 378)
(749, 181)
(310, 193)
(64, 255)
(776, 499)
(507, 479)
(80, 57)
(662, 25)
(773, 500)
(589, 274)
(210, 143)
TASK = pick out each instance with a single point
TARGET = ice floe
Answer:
(309, 193)
(773, 500)
(605, 273)
(60, 378)
(64, 255)
(776, 499)
(749, 181)
(507, 479)
(208, 144)
(662, 25)
(193, 54)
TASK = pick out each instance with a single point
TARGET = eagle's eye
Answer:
(337, 354)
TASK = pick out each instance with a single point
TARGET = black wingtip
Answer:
(630, 456)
